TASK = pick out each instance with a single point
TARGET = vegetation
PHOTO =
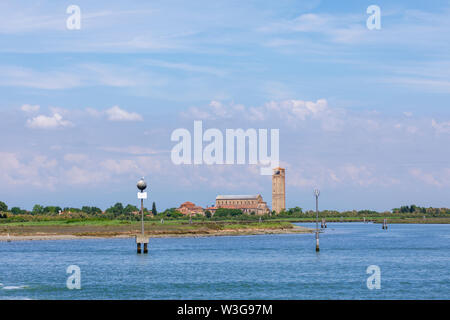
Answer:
(3, 207)
(131, 213)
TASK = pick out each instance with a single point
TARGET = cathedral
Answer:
(249, 204)
(254, 203)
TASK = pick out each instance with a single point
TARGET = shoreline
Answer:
(222, 233)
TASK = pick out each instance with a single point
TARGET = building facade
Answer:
(249, 204)
(278, 190)
(189, 208)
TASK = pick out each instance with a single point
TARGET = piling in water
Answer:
(139, 247)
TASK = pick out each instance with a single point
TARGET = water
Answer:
(414, 262)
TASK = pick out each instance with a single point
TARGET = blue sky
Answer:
(363, 114)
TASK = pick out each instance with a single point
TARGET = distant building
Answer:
(211, 209)
(189, 208)
(278, 190)
(247, 203)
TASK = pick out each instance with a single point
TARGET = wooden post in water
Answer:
(385, 225)
(139, 247)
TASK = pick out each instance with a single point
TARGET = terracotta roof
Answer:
(238, 206)
(237, 197)
(187, 204)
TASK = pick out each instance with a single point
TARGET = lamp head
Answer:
(141, 184)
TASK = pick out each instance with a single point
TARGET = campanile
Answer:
(278, 190)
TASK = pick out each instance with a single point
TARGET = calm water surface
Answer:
(414, 262)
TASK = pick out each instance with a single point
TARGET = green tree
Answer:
(3, 206)
(130, 209)
(38, 209)
(116, 210)
(223, 212)
(154, 212)
(91, 210)
(208, 214)
(52, 210)
(17, 210)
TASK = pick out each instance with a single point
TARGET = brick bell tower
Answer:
(278, 190)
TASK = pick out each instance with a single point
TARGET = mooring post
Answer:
(385, 225)
(317, 193)
(142, 185)
(325, 221)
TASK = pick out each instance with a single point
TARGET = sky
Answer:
(363, 115)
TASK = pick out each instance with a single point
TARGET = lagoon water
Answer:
(414, 262)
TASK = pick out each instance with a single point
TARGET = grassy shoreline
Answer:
(47, 230)
(84, 229)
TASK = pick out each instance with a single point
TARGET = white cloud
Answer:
(443, 127)
(48, 122)
(345, 28)
(185, 67)
(297, 109)
(75, 157)
(292, 112)
(117, 114)
(428, 178)
(134, 150)
(74, 76)
(37, 171)
(119, 166)
(30, 108)
(83, 176)
(49, 80)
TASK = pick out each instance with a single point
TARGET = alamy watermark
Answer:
(190, 150)
(73, 22)
(74, 280)
(374, 280)
(374, 20)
